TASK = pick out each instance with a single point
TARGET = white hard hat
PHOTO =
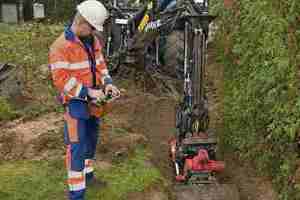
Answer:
(94, 12)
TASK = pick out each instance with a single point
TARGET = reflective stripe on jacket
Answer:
(70, 66)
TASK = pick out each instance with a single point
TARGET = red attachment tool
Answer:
(201, 162)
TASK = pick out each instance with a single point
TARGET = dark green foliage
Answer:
(59, 10)
(259, 47)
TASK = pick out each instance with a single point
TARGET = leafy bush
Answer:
(259, 47)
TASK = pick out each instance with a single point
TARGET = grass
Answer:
(131, 176)
(27, 47)
(7, 112)
(36, 180)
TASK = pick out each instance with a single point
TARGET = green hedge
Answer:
(258, 44)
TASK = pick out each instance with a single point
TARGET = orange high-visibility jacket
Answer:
(71, 69)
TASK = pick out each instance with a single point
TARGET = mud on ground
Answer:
(42, 138)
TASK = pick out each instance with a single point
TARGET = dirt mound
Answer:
(156, 121)
(43, 137)
(32, 139)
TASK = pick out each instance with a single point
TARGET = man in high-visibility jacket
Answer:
(78, 70)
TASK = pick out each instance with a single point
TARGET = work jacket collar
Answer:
(71, 36)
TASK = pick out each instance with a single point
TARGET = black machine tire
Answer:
(173, 54)
(116, 42)
(116, 37)
(114, 32)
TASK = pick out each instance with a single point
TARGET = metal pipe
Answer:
(185, 65)
(200, 63)
(157, 51)
(203, 64)
(185, 48)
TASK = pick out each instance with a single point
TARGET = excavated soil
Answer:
(35, 139)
